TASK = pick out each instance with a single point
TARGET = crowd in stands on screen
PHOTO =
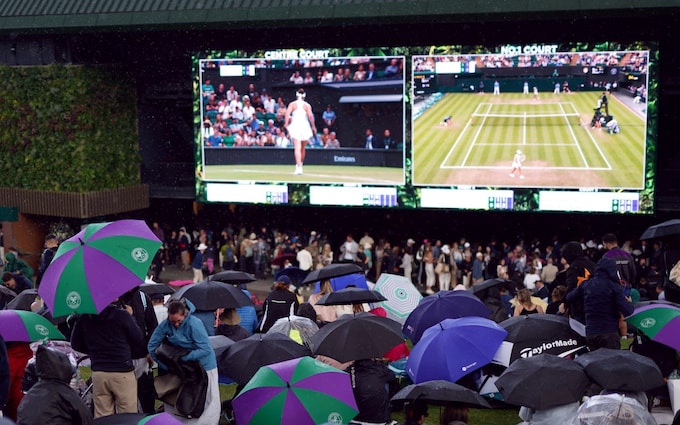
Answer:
(370, 138)
(598, 59)
(394, 68)
(332, 142)
(388, 141)
(639, 94)
(326, 77)
(296, 78)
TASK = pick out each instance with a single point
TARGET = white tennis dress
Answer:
(299, 127)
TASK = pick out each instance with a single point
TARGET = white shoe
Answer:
(511, 175)
(298, 169)
(521, 177)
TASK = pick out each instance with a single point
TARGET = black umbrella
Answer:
(538, 334)
(348, 296)
(243, 358)
(491, 283)
(439, 393)
(210, 295)
(621, 370)
(220, 343)
(23, 300)
(156, 288)
(543, 381)
(356, 337)
(331, 271)
(234, 277)
(662, 230)
(6, 294)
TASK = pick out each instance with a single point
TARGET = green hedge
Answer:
(68, 128)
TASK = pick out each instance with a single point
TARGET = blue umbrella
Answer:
(295, 274)
(440, 306)
(341, 282)
(454, 348)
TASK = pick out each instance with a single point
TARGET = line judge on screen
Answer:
(299, 122)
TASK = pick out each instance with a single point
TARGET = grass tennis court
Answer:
(477, 145)
(312, 174)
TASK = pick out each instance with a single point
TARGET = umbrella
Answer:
(453, 348)
(331, 271)
(23, 300)
(613, 409)
(621, 370)
(348, 296)
(402, 296)
(234, 277)
(356, 337)
(660, 321)
(662, 230)
(220, 343)
(156, 288)
(211, 295)
(295, 274)
(490, 283)
(243, 358)
(281, 259)
(138, 419)
(6, 294)
(439, 393)
(299, 329)
(536, 334)
(442, 305)
(26, 326)
(543, 381)
(357, 280)
(97, 265)
(301, 391)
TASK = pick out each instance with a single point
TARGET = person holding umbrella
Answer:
(281, 302)
(415, 413)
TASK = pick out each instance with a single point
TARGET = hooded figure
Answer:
(578, 269)
(52, 401)
(14, 265)
(603, 303)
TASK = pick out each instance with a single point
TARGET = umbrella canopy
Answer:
(243, 358)
(491, 283)
(659, 320)
(662, 230)
(211, 295)
(299, 329)
(439, 393)
(356, 337)
(97, 265)
(26, 326)
(442, 305)
(23, 300)
(621, 370)
(402, 296)
(543, 381)
(160, 419)
(301, 391)
(613, 409)
(219, 344)
(234, 277)
(6, 294)
(331, 271)
(536, 334)
(156, 288)
(295, 274)
(348, 296)
(453, 348)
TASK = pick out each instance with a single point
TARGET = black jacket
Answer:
(369, 384)
(111, 338)
(279, 303)
(52, 401)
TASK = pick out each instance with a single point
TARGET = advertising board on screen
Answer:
(540, 127)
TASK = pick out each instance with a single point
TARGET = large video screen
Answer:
(540, 127)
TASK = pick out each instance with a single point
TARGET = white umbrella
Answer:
(402, 296)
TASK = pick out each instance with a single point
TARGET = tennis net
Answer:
(568, 119)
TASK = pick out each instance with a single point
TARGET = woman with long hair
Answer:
(324, 313)
(525, 305)
(299, 122)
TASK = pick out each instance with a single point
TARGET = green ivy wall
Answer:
(68, 128)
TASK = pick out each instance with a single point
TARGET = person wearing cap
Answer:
(281, 302)
(230, 326)
(197, 263)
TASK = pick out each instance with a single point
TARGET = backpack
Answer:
(228, 254)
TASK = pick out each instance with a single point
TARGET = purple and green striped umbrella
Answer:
(660, 321)
(301, 391)
(26, 326)
(160, 419)
(99, 264)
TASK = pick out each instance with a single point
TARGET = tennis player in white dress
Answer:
(300, 125)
